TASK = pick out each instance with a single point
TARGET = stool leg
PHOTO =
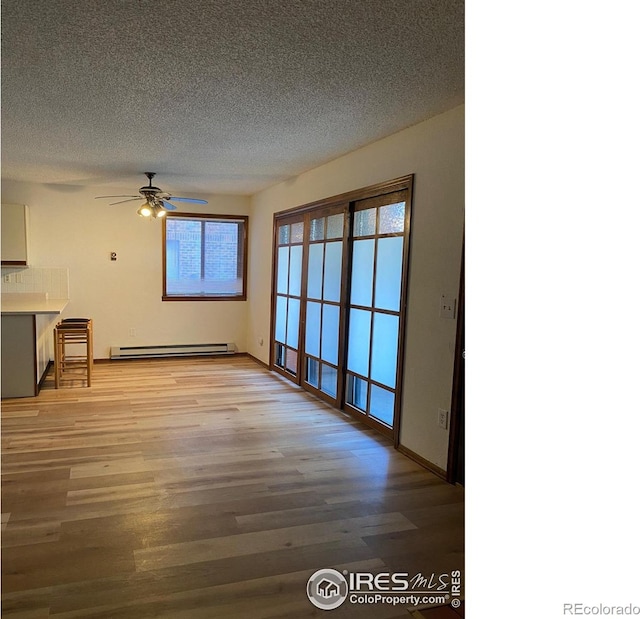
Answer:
(89, 355)
(56, 357)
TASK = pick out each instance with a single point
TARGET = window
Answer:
(204, 257)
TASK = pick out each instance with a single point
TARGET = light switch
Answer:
(447, 307)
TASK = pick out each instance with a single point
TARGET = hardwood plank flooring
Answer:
(206, 488)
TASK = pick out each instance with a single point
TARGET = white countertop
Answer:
(31, 303)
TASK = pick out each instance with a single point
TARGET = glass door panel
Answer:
(357, 389)
(330, 331)
(364, 222)
(284, 230)
(362, 280)
(359, 341)
(283, 270)
(316, 231)
(288, 268)
(295, 270)
(281, 319)
(312, 335)
(329, 378)
(382, 404)
(332, 271)
(293, 323)
(389, 273)
(291, 364)
(391, 218)
(313, 372)
(384, 349)
(314, 276)
(335, 226)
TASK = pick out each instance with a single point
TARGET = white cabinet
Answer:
(15, 235)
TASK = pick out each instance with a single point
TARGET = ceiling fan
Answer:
(156, 201)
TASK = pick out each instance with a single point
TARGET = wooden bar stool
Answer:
(73, 332)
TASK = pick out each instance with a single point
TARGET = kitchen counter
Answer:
(31, 303)
(28, 320)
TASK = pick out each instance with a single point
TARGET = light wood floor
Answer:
(205, 488)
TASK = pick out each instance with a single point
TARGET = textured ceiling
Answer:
(216, 96)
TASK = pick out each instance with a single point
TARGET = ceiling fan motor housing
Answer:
(149, 189)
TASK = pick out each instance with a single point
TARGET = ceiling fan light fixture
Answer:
(159, 211)
(145, 210)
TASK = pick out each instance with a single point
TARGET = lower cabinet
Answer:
(27, 347)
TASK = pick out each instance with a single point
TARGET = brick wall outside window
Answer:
(217, 270)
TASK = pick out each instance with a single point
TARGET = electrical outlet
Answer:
(6, 278)
(447, 307)
(132, 332)
(443, 418)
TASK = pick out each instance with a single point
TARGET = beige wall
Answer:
(434, 152)
(71, 229)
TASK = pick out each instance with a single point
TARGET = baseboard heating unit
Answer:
(172, 350)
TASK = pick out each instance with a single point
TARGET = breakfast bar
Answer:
(28, 320)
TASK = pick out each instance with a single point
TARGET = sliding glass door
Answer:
(340, 271)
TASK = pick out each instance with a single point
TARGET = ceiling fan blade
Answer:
(192, 200)
(97, 197)
(168, 206)
(129, 200)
